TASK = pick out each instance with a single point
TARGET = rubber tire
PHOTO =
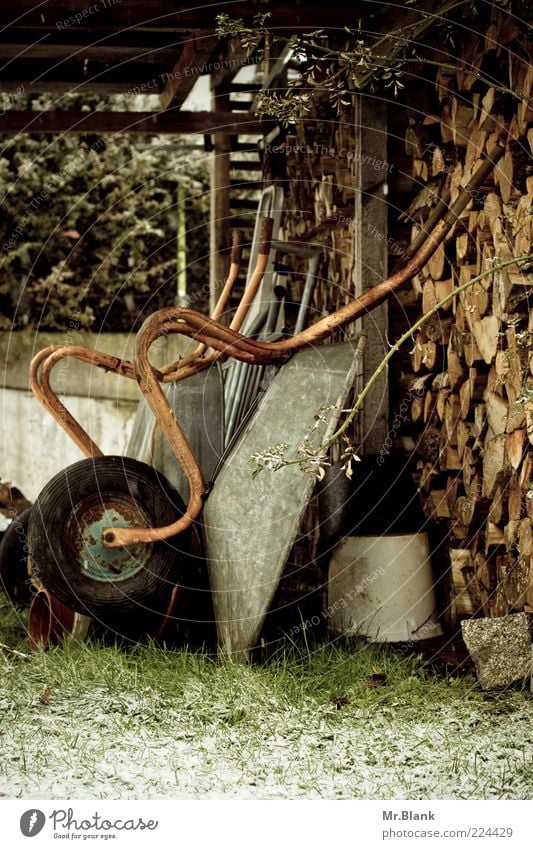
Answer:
(14, 578)
(52, 559)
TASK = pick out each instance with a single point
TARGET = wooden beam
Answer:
(85, 37)
(73, 86)
(370, 252)
(193, 62)
(104, 53)
(67, 76)
(393, 25)
(13, 122)
(178, 17)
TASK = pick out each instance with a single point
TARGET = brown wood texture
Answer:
(480, 396)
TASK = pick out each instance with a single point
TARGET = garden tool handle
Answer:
(265, 244)
(236, 247)
(192, 363)
(234, 268)
(265, 236)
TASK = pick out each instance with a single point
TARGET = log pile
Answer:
(12, 501)
(468, 375)
(472, 364)
(315, 166)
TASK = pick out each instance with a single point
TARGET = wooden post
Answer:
(219, 226)
(370, 251)
(181, 247)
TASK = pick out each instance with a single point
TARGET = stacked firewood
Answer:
(315, 166)
(472, 361)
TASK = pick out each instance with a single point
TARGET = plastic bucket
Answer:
(50, 621)
(382, 587)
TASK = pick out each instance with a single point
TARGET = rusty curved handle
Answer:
(40, 371)
(46, 360)
(233, 275)
(226, 342)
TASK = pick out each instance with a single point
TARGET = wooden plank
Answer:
(219, 203)
(69, 84)
(370, 250)
(194, 57)
(116, 53)
(171, 121)
(169, 15)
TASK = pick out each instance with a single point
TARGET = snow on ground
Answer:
(96, 745)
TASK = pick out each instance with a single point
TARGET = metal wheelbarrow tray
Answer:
(250, 525)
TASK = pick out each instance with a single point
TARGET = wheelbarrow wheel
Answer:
(65, 536)
(14, 578)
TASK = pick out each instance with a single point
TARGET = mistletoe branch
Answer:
(319, 454)
(341, 72)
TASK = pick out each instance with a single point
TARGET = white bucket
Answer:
(382, 588)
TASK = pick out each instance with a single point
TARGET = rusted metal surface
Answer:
(82, 533)
(40, 373)
(226, 342)
(157, 401)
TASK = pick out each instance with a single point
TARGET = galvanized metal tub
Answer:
(382, 587)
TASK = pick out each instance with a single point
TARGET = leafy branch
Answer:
(341, 72)
(319, 454)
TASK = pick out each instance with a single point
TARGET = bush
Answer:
(89, 225)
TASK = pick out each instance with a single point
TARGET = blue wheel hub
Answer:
(83, 536)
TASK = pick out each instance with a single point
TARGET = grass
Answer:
(305, 723)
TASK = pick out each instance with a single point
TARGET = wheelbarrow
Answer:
(140, 541)
(64, 539)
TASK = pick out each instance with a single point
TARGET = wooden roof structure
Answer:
(162, 47)
(111, 47)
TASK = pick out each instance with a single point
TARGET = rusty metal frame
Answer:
(227, 342)
(45, 361)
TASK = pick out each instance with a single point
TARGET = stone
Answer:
(500, 649)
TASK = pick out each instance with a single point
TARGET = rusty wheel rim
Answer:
(82, 536)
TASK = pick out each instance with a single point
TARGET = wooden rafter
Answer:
(193, 61)
(14, 122)
(70, 84)
(110, 53)
(396, 25)
(177, 17)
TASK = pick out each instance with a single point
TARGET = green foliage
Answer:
(88, 230)
(340, 720)
(334, 65)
